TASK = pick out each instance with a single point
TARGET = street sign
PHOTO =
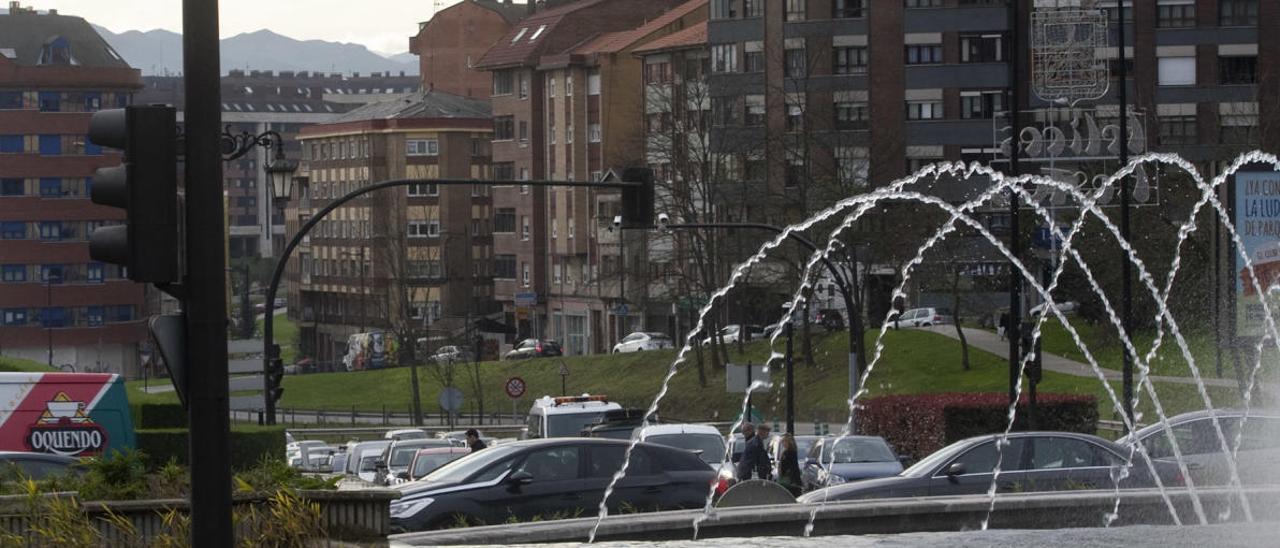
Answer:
(526, 298)
(737, 378)
(564, 369)
(621, 310)
(451, 399)
(515, 387)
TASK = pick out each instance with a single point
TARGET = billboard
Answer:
(1257, 220)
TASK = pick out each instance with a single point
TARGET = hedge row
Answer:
(151, 416)
(918, 425)
(248, 445)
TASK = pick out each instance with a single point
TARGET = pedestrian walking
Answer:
(473, 440)
(789, 464)
(764, 468)
(752, 452)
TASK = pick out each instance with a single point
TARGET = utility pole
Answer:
(1015, 276)
(1126, 268)
(205, 305)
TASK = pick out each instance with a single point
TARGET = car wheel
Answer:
(927, 325)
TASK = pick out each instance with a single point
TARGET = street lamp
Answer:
(280, 171)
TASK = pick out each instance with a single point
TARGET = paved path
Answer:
(990, 342)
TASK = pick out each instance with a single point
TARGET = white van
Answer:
(566, 417)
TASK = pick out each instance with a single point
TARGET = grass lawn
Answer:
(285, 333)
(913, 362)
(19, 364)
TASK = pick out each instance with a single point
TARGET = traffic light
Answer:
(274, 378)
(637, 199)
(145, 186)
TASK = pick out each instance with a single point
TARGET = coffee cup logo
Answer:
(66, 429)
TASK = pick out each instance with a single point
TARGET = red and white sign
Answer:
(515, 387)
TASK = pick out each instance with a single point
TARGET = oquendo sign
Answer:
(70, 414)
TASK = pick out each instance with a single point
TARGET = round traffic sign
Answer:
(515, 387)
(451, 399)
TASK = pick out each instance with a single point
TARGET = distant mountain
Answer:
(159, 52)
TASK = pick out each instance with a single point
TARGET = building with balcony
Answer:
(415, 258)
(59, 305)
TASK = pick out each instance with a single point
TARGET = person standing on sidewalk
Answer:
(473, 440)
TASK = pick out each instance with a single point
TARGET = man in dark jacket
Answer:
(753, 453)
(473, 440)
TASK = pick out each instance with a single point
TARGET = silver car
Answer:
(924, 317)
(854, 458)
(1256, 461)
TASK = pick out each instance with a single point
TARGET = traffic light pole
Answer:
(205, 303)
(637, 199)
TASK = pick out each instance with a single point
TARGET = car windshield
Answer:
(572, 425)
(369, 463)
(403, 455)
(927, 465)
(463, 468)
(412, 435)
(851, 450)
(429, 463)
(710, 445)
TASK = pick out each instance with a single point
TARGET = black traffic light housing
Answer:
(145, 186)
(637, 197)
(274, 376)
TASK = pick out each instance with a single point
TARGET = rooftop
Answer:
(521, 45)
(614, 42)
(428, 104)
(692, 37)
(49, 39)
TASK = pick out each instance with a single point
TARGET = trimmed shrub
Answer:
(249, 445)
(151, 416)
(919, 424)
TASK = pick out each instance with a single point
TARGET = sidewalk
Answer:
(990, 342)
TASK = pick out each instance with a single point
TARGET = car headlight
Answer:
(408, 508)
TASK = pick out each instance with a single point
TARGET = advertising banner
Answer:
(1257, 217)
(70, 414)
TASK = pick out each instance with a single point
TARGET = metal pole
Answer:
(747, 416)
(791, 383)
(363, 289)
(205, 306)
(1015, 246)
(1126, 268)
(48, 324)
(1217, 292)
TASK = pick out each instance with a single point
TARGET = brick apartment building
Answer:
(521, 94)
(284, 102)
(55, 72)
(456, 37)
(403, 255)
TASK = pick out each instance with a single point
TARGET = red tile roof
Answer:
(688, 38)
(614, 42)
(524, 50)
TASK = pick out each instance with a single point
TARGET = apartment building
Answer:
(456, 37)
(524, 270)
(283, 102)
(419, 255)
(59, 305)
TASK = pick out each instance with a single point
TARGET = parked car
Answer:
(405, 434)
(397, 456)
(639, 341)
(1068, 307)
(924, 317)
(566, 416)
(703, 440)
(446, 354)
(855, 458)
(534, 348)
(550, 478)
(1257, 459)
(363, 459)
(1033, 461)
(426, 461)
(731, 334)
(830, 319)
(36, 466)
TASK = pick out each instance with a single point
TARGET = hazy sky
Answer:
(381, 25)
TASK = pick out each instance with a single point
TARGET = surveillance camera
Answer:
(617, 221)
(663, 220)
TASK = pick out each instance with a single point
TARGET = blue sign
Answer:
(1257, 220)
(526, 298)
(621, 310)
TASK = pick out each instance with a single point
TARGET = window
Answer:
(423, 189)
(523, 80)
(1177, 71)
(1060, 453)
(795, 62)
(982, 459)
(50, 101)
(593, 133)
(538, 32)
(11, 144)
(922, 3)
(15, 316)
(795, 116)
(95, 315)
(53, 317)
(753, 58)
(795, 170)
(422, 147)
(524, 131)
(723, 9)
(1176, 14)
(50, 230)
(504, 267)
(424, 229)
(924, 54)
(726, 111)
(524, 227)
(504, 220)
(755, 114)
(924, 110)
(568, 84)
(51, 273)
(555, 463)
(980, 104)
(502, 80)
(12, 187)
(51, 187)
(1238, 70)
(1178, 130)
(11, 230)
(551, 134)
(981, 48)
(593, 82)
(657, 73)
(847, 9)
(851, 114)
(121, 313)
(503, 128)
(795, 10)
(849, 60)
(853, 165)
(14, 272)
(524, 273)
(51, 144)
(10, 100)
(753, 8)
(1237, 13)
(724, 58)
(1239, 123)
(504, 171)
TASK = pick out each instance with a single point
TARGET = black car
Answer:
(550, 479)
(36, 466)
(830, 319)
(534, 348)
(1032, 461)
